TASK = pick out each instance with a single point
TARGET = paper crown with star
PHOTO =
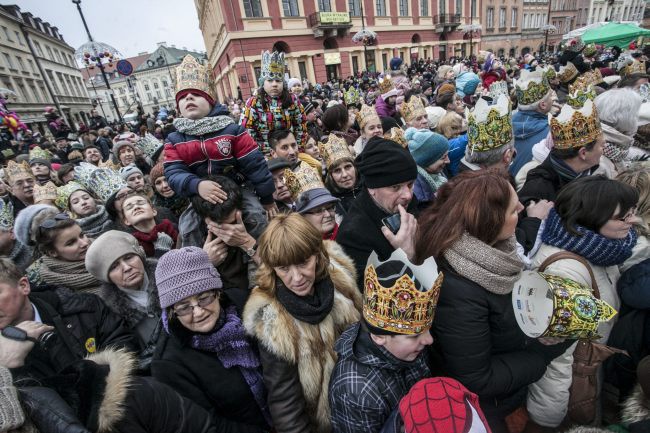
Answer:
(334, 150)
(6, 215)
(18, 171)
(575, 127)
(302, 179)
(532, 86)
(398, 296)
(489, 126)
(412, 109)
(191, 74)
(101, 182)
(44, 192)
(273, 66)
(352, 96)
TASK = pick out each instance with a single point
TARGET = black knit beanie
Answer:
(385, 163)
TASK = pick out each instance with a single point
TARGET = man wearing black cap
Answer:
(388, 173)
(282, 196)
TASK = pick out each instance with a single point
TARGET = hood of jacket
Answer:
(526, 124)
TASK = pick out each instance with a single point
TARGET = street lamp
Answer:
(96, 54)
(365, 36)
(471, 29)
(547, 28)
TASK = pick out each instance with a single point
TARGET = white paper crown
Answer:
(6, 215)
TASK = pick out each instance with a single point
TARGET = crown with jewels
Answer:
(109, 164)
(575, 127)
(550, 306)
(567, 73)
(352, 96)
(590, 50)
(301, 180)
(413, 108)
(499, 88)
(400, 297)
(386, 85)
(16, 171)
(635, 67)
(64, 192)
(191, 74)
(580, 95)
(489, 126)
(39, 153)
(334, 150)
(149, 145)
(550, 73)
(589, 78)
(273, 66)
(101, 182)
(397, 135)
(531, 87)
(44, 192)
(6, 215)
(576, 45)
(366, 113)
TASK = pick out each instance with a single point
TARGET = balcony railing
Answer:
(447, 19)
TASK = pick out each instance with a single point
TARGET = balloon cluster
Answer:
(10, 120)
(91, 60)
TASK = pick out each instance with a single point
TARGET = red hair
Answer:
(475, 202)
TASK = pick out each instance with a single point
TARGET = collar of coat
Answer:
(636, 408)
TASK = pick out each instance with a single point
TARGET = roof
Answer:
(171, 56)
(135, 61)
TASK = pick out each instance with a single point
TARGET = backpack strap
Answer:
(566, 255)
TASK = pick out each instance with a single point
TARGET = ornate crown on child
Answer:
(191, 74)
(334, 150)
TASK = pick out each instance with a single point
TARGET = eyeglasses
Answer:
(328, 209)
(50, 223)
(628, 215)
(202, 301)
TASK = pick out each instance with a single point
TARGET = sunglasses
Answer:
(50, 223)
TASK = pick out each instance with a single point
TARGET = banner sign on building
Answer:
(332, 58)
(334, 17)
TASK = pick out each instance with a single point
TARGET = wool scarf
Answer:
(95, 224)
(147, 240)
(232, 347)
(311, 309)
(617, 144)
(434, 181)
(495, 268)
(597, 249)
(175, 203)
(72, 275)
(565, 172)
(203, 126)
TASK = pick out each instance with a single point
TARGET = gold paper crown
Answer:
(550, 73)
(574, 128)
(402, 308)
(273, 66)
(412, 109)
(532, 86)
(386, 85)
(39, 153)
(397, 135)
(489, 127)
(365, 114)
(590, 50)
(109, 164)
(45, 192)
(64, 192)
(191, 74)
(589, 78)
(334, 150)
(15, 171)
(352, 96)
(636, 67)
(6, 215)
(567, 73)
(301, 180)
(577, 98)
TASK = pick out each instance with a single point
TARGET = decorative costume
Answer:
(45, 192)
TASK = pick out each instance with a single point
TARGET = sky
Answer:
(131, 26)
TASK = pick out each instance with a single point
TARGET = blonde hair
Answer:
(638, 177)
(289, 239)
(449, 122)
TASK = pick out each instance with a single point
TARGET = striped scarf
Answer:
(597, 249)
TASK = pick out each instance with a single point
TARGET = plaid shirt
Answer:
(368, 382)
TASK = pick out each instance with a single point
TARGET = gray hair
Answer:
(535, 105)
(619, 108)
(489, 157)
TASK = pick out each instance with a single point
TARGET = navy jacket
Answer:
(529, 127)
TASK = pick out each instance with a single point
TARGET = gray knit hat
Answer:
(120, 144)
(11, 413)
(183, 273)
(23, 223)
(107, 248)
(130, 169)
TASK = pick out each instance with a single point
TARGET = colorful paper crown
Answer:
(532, 87)
(576, 45)
(575, 127)
(499, 88)
(408, 305)
(15, 171)
(101, 182)
(590, 50)
(397, 135)
(6, 215)
(44, 192)
(64, 192)
(191, 74)
(489, 126)
(579, 96)
(386, 85)
(273, 66)
(334, 150)
(109, 164)
(567, 73)
(149, 145)
(366, 113)
(352, 96)
(589, 78)
(550, 306)
(636, 67)
(301, 180)
(550, 73)
(39, 153)
(413, 108)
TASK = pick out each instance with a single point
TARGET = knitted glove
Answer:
(11, 413)
(163, 243)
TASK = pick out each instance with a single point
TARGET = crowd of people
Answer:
(360, 255)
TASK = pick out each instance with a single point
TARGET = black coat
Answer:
(360, 232)
(200, 376)
(542, 183)
(478, 342)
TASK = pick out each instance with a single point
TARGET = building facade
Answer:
(38, 66)
(535, 16)
(616, 10)
(316, 36)
(502, 26)
(564, 16)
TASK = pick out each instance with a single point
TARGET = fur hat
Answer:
(425, 146)
(23, 223)
(120, 144)
(107, 248)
